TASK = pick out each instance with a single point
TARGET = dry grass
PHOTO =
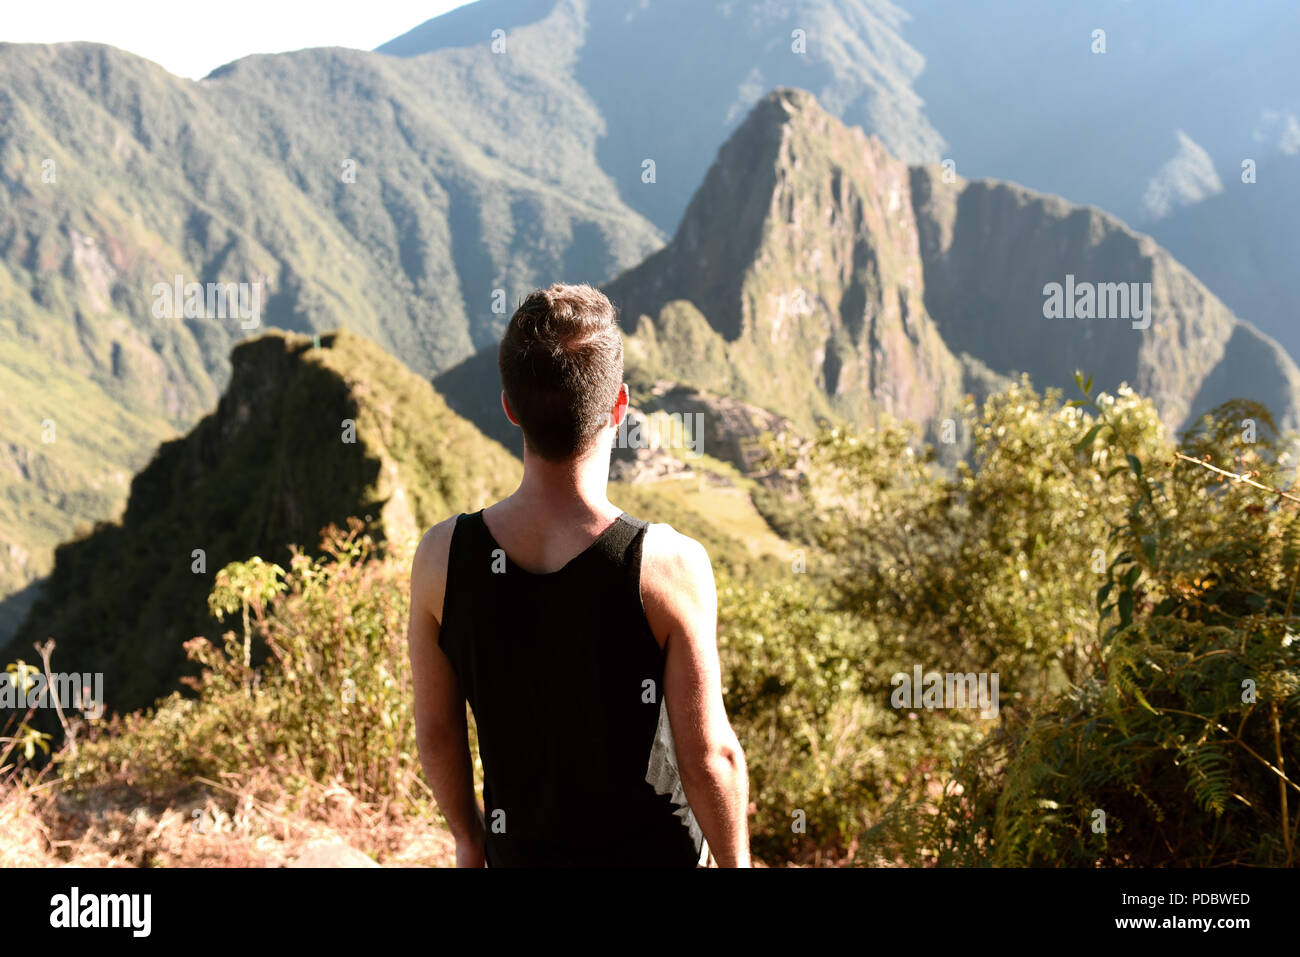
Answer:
(236, 824)
(248, 823)
(26, 841)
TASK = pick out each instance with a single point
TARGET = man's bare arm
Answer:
(441, 729)
(682, 606)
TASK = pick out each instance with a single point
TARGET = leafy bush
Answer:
(1180, 746)
(992, 568)
(805, 693)
(1170, 742)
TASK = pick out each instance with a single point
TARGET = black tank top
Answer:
(565, 680)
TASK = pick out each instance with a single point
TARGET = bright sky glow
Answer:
(193, 39)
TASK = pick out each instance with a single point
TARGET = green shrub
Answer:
(1180, 746)
(807, 692)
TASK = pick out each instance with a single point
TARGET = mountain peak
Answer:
(792, 100)
(799, 252)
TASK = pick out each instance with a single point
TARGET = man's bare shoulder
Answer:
(429, 567)
(669, 551)
(675, 568)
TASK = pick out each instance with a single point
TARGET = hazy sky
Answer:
(192, 39)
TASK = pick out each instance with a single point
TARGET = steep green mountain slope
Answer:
(670, 79)
(412, 201)
(67, 454)
(814, 273)
(271, 466)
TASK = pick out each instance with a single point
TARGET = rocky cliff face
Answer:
(989, 250)
(304, 436)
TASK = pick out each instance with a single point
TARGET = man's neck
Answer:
(570, 491)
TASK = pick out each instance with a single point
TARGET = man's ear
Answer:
(505, 404)
(620, 405)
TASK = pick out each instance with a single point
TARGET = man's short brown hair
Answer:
(561, 363)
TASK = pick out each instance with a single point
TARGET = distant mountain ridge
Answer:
(816, 276)
(1242, 243)
(793, 282)
(1145, 110)
(814, 273)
